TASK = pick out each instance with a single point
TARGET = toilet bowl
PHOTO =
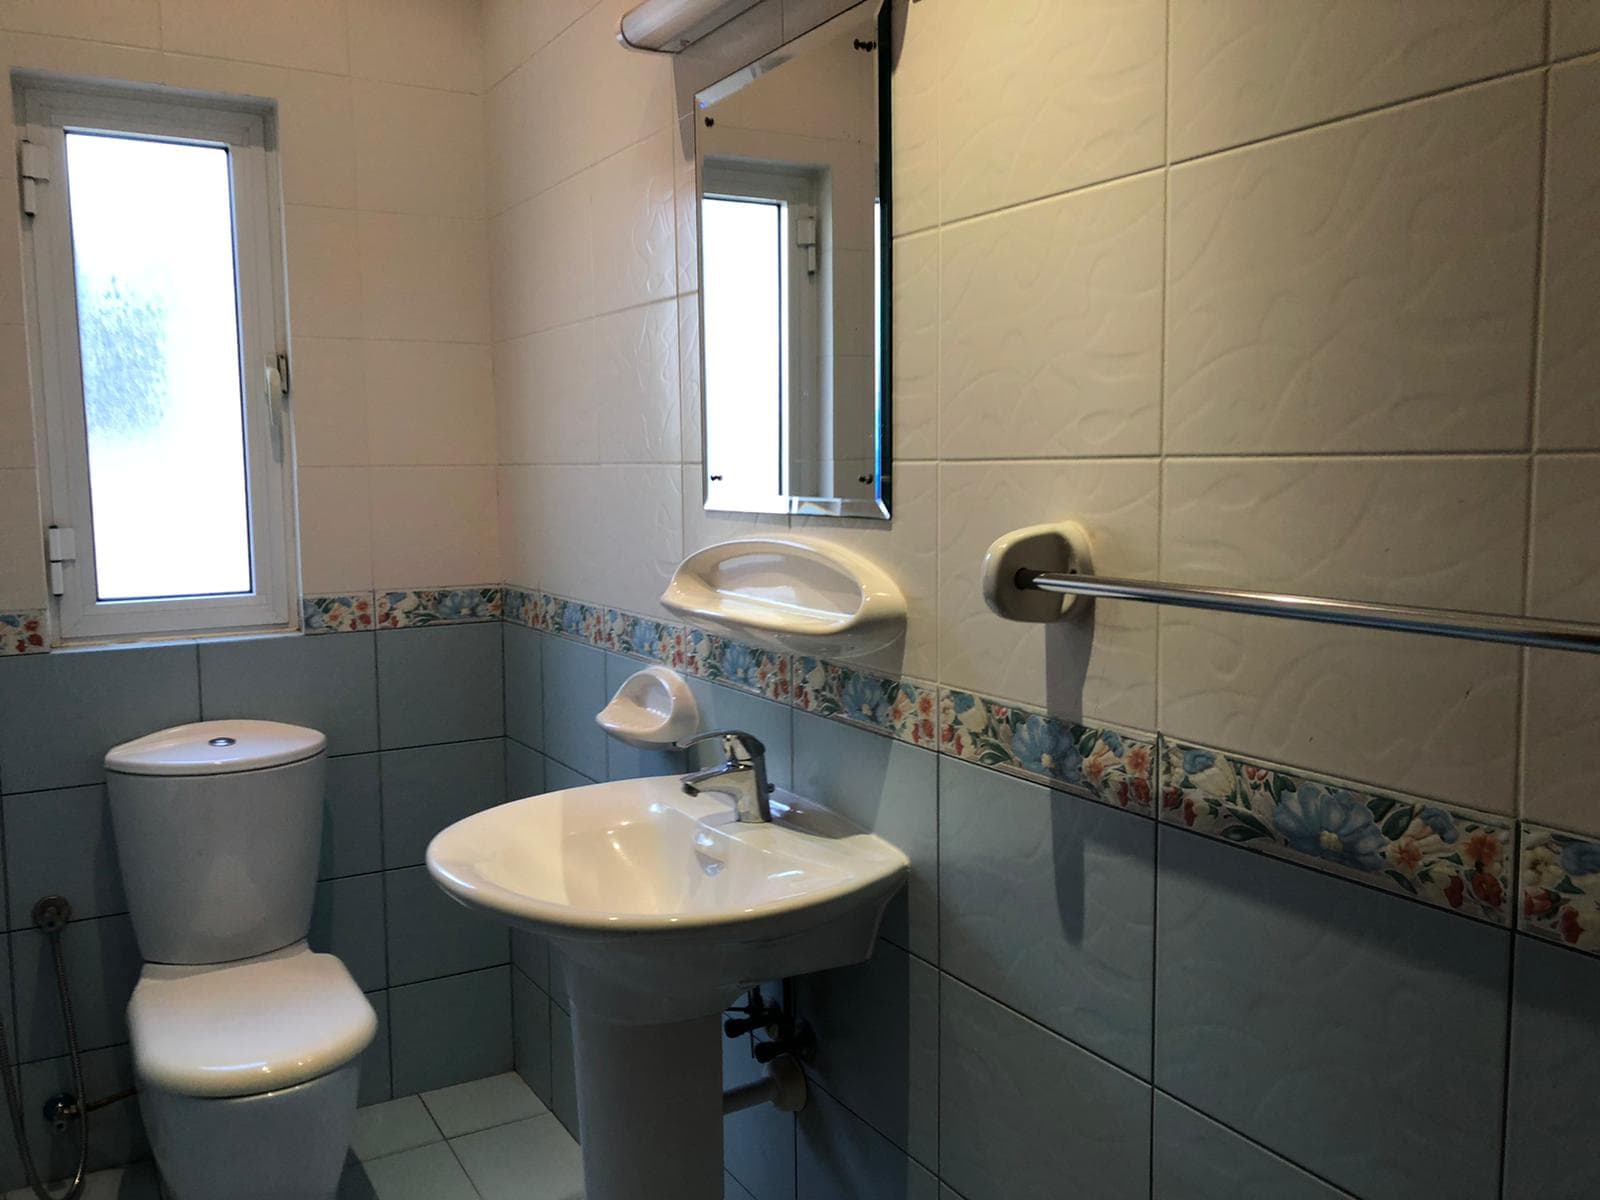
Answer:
(245, 1041)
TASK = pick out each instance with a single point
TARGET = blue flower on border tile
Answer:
(1441, 822)
(1042, 746)
(1330, 823)
(861, 699)
(741, 664)
(462, 605)
(1581, 858)
(571, 619)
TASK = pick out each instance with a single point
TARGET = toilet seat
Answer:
(248, 1027)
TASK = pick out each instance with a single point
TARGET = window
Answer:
(160, 351)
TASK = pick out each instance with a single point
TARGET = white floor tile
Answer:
(534, 1159)
(426, 1173)
(136, 1182)
(482, 1104)
(391, 1127)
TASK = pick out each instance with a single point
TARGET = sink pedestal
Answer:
(649, 1107)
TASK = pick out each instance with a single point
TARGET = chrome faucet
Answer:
(742, 775)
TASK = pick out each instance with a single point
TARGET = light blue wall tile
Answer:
(1022, 1111)
(103, 964)
(326, 683)
(524, 771)
(1555, 1073)
(1197, 1159)
(758, 1143)
(375, 1086)
(1268, 972)
(878, 1032)
(446, 1031)
(558, 777)
(431, 935)
(574, 690)
(118, 1134)
(523, 656)
(563, 1071)
(630, 762)
(11, 1175)
(891, 789)
(841, 1155)
(530, 954)
(724, 707)
(530, 1030)
(347, 921)
(440, 683)
(352, 818)
(1047, 903)
(430, 787)
(61, 712)
(732, 1189)
(60, 843)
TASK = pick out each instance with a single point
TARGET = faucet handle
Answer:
(738, 745)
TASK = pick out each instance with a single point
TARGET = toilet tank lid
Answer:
(216, 748)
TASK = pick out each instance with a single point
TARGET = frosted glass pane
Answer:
(742, 242)
(152, 239)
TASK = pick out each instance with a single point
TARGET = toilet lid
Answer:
(243, 1028)
(216, 748)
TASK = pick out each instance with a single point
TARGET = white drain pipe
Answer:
(783, 1087)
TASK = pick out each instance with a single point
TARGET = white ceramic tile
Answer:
(541, 268)
(434, 526)
(702, 528)
(627, 97)
(689, 397)
(16, 399)
(636, 384)
(521, 548)
(391, 1127)
(335, 530)
(329, 403)
(633, 238)
(424, 278)
(1560, 753)
(915, 307)
(1445, 532)
(126, 22)
(686, 199)
(914, 117)
(514, 29)
(429, 403)
(11, 310)
(21, 542)
(1574, 27)
(435, 43)
(316, 129)
(637, 515)
(1245, 69)
(1569, 344)
(1566, 549)
(1036, 97)
(419, 150)
(1420, 714)
(1050, 327)
(539, 123)
(324, 267)
(545, 396)
(1102, 667)
(482, 1104)
(1366, 285)
(534, 1159)
(230, 77)
(78, 56)
(543, 535)
(310, 34)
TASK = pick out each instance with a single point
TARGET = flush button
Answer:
(222, 741)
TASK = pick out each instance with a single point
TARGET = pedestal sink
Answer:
(666, 907)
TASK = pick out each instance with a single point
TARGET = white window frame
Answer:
(46, 112)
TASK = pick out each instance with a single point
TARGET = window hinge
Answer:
(281, 381)
(62, 545)
(33, 168)
(805, 238)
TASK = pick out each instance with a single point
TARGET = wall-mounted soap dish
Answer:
(790, 593)
(653, 707)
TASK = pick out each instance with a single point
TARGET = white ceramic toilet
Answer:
(244, 1040)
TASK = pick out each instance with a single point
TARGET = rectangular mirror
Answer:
(794, 264)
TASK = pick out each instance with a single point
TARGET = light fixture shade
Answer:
(670, 26)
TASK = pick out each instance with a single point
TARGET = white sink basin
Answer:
(665, 903)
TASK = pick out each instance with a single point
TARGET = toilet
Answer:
(245, 1041)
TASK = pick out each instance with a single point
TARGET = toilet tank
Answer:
(218, 827)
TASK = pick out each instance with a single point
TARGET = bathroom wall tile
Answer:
(1574, 27)
(61, 712)
(337, 614)
(1555, 1067)
(335, 549)
(636, 383)
(1103, 665)
(1560, 753)
(737, 664)
(1050, 98)
(409, 388)
(427, 788)
(295, 33)
(563, 1076)
(119, 1133)
(914, 114)
(514, 31)
(758, 1143)
(558, 778)
(1310, 307)
(634, 762)
(424, 278)
(1259, 966)
(375, 1084)
(838, 1154)
(21, 547)
(539, 136)
(530, 1027)
(891, 789)
(531, 955)
(60, 843)
(325, 288)
(632, 93)
(546, 395)
(430, 935)
(1047, 904)
(1242, 71)
(330, 413)
(434, 43)
(915, 340)
(439, 684)
(23, 633)
(904, 709)
(1565, 581)
(433, 523)
(326, 683)
(439, 606)
(103, 963)
(732, 1189)
(1559, 882)
(1020, 1109)
(1050, 327)
(16, 399)
(447, 1031)
(574, 690)
(635, 225)
(352, 839)
(316, 128)
(1198, 1159)
(540, 266)
(129, 23)
(727, 708)
(523, 667)
(345, 922)
(882, 1055)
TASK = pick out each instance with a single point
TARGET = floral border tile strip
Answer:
(438, 606)
(573, 619)
(1560, 887)
(520, 606)
(22, 633)
(629, 633)
(902, 708)
(1450, 858)
(336, 614)
(1108, 765)
(723, 660)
